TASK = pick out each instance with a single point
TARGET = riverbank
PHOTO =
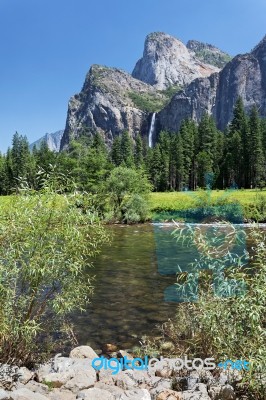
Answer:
(74, 377)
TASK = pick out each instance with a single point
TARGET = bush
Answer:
(256, 211)
(120, 186)
(229, 324)
(135, 209)
(46, 245)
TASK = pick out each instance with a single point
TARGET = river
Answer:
(129, 285)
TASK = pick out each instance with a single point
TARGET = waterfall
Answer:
(151, 131)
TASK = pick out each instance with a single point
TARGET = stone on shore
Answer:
(83, 352)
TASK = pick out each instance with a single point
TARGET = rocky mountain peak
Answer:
(52, 140)
(260, 48)
(171, 79)
(208, 53)
(166, 62)
(244, 76)
(110, 102)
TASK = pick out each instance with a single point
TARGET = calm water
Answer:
(128, 300)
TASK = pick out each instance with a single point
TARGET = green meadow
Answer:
(253, 201)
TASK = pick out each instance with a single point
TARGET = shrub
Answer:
(46, 245)
(120, 186)
(228, 324)
(135, 209)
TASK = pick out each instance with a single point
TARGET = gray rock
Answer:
(44, 370)
(208, 53)
(106, 376)
(4, 395)
(57, 380)
(58, 394)
(105, 105)
(131, 379)
(95, 394)
(169, 395)
(83, 379)
(193, 380)
(230, 376)
(9, 376)
(114, 390)
(25, 375)
(37, 387)
(122, 353)
(26, 394)
(244, 76)
(83, 352)
(225, 392)
(166, 62)
(52, 140)
(159, 385)
(69, 373)
(198, 98)
(136, 394)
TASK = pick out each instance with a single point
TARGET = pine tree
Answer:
(22, 163)
(176, 163)
(240, 124)
(257, 160)
(204, 168)
(155, 167)
(138, 156)
(43, 156)
(127, 150)
(164, 145)
(188, 134)
(98, 143)
(116, 155)
(233, 159)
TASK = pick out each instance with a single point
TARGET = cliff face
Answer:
(167, 61)
(208, 53)
(53, 141)
(193, 102)
(110, 102)
(244, 76)
(170, 80)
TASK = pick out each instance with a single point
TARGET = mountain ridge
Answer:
(53, 141)
(170, 81)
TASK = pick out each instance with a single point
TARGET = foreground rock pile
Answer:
(73, 377)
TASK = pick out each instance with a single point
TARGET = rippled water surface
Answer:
(128, 299)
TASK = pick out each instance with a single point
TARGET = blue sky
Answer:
(47, 47)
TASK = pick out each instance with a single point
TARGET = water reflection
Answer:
(128, 299)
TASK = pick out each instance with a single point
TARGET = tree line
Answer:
(197, 156)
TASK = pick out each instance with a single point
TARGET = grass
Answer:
(178, 201)
(184, 200)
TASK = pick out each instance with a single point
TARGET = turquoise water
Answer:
(128, 300)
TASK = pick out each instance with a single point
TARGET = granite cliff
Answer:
(167, 61)
(53, 141)
(244, 76)
(110, 102)
(208, 53)
(171, 79)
